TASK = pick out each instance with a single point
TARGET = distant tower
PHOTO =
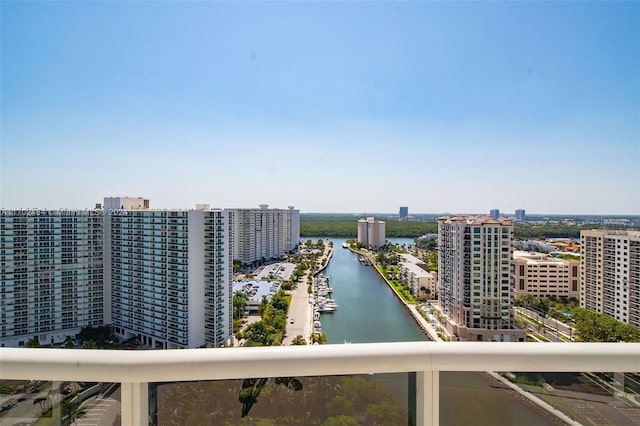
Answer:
(495, 214)
(404, 212)
(371, 232)
(520, 215)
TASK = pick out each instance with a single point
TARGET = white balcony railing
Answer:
(135, 369)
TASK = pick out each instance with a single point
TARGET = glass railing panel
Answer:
(384, 399)
(43, 403)
(508, 398)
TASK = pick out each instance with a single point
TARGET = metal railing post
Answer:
(428, 398)
(134, 400)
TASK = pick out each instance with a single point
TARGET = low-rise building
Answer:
(421, 283)
(543, 276)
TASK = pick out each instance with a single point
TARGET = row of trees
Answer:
(100, 337)
(590, 326)
(346, 226)
(325, 400)
(269, 331)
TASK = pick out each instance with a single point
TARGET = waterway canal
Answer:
(368, 311)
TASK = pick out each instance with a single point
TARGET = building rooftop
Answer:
(477, 220)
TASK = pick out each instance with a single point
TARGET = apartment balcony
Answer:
(146, 377)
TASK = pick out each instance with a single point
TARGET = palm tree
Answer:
(318, 338)
(299, 340)
(33, 342)
(69, 342)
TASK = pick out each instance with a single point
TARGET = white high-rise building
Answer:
(169, 278)
(262, 233)
(474, 278)
(51, 274)
(371, 232)
(610, 273)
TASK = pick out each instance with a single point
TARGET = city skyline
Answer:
(330, 107)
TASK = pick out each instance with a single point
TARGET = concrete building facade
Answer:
(169, 276)
(413, 274)
(610, 273)
(543, 276)
(474, 278)
(263, 233)
(51, 274)
(371, 232)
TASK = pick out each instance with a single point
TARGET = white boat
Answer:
(345, 245)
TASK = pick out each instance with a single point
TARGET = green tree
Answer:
(264, 302)
(89, 344)
(33, 342)
(257, 334)
(384, 413)
(69, 342)
(299, 340)
(239, 304)
(318, 338)
(70, 411)
(279, 302)
(339, 405)
(340, 421)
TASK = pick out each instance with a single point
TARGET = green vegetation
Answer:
(391, 274)
(346, 226)
(590, 326)
(269, 331)
(328, 400)
(100, 337)
(569, 256)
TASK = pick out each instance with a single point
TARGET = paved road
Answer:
(301, 312)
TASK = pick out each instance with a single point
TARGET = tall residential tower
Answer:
(50, 274)
(262, 233)
(610, 273)
(475, 278)
(169, 277)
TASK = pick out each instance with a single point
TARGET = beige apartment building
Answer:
(610, 273)
(474, 278)
(413, 274)
(371, 232)
(543, 276)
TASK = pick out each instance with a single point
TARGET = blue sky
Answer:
(328, 106)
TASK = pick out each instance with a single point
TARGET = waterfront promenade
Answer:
(300, 316)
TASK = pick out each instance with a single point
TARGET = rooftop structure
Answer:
(256, 290)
